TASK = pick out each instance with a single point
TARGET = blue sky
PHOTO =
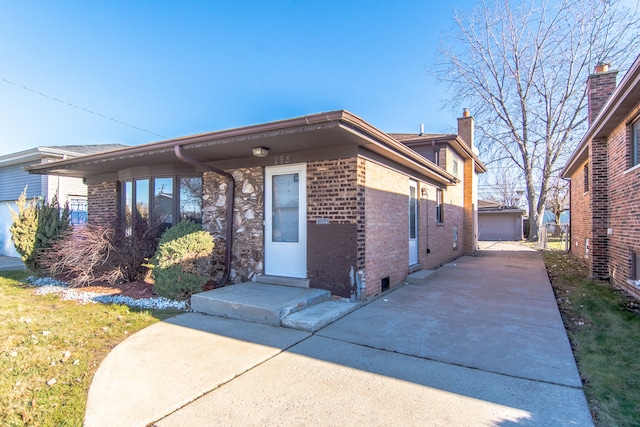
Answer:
(180, 68)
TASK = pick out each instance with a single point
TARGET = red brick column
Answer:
(103, 203)
(599, 259)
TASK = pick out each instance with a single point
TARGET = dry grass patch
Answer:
(51, 350)
(603, 324)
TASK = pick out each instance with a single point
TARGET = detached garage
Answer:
(496, 222)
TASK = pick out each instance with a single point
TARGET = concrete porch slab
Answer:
(318, 316)
(419, 277)
(257, 302)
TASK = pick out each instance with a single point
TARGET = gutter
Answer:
(230, 205)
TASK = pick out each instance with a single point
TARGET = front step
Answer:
(284, 281)
(320, 315)
(257, 302)
(419, 277)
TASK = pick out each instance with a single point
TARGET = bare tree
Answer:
(558, 198)
(522, 66)
(505, 187)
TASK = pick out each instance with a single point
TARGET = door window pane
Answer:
(439, 206)
(191, 199)
(285, 208)
(163, 200)
(412, 212)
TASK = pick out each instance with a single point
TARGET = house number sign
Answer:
(283, 159)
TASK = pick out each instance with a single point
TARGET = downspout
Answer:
(569, 245)
(230, 205)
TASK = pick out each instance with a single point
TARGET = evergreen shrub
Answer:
(36, 226)
(182, 263)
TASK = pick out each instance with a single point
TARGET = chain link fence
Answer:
(554, 237)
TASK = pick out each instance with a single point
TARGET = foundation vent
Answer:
(385, 284)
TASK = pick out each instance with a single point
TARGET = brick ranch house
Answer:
(325, 197)
(604, 172)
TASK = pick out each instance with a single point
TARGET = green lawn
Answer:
(604, 328)
(51, 350)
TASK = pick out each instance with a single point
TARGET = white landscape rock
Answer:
(48, 285)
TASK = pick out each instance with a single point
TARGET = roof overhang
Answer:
(621, 102)
(458, 145)
(34, 155)
(318, 131)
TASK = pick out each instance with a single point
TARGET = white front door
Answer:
(285, 249)
(413, 222)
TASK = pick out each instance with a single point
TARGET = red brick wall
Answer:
(103, 203)
(332, 192)
(469, 232)
(386, 226)
(333, 218)
(624, 205)
(331, 254)
(580, 213)
(609, 213)
(438, 237)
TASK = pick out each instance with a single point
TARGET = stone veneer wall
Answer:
(248, 217)
(103, 203)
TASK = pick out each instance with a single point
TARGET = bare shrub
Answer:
(94, 253)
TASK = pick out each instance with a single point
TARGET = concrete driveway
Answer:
(11, 263)
(479, 342)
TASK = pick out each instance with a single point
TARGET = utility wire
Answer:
(81, 108)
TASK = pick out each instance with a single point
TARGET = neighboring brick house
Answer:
(324, 197)
(605, 180)
(14, 179)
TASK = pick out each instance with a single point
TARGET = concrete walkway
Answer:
(11, 263)
(478, 342)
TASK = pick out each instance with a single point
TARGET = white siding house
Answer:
(14, 179)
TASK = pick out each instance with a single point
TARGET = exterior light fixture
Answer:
(260, 151)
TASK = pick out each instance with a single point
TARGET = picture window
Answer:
(635, 143)
(586, 178)
(167, 199)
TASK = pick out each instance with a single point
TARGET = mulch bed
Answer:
(137, 290)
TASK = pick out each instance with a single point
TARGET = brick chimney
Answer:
(600, 86)
(465, 128)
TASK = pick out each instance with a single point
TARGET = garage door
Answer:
(497, 227)
(6, 245)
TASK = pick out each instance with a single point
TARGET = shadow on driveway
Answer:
(480, 342)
